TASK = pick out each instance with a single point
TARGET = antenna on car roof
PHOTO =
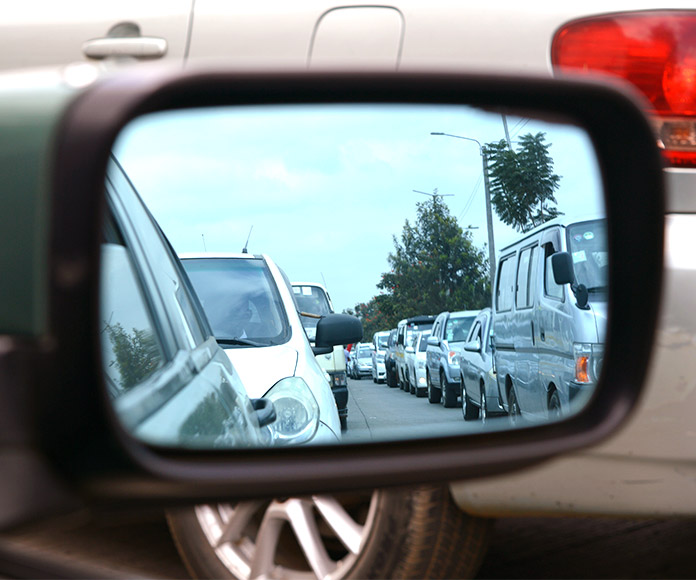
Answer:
(244, 249)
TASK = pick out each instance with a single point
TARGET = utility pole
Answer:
(489, 212)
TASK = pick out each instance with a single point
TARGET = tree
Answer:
(137, 354)
(522, 182)
(434, 267)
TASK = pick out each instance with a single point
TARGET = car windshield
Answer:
(457, 328)
(382, 342)
(240, 299)
(364, 353)
(313, 300)
(587, 242)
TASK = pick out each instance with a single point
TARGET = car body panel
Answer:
(44, 33)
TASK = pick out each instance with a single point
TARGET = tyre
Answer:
(513, 407)
(469, 410)
(344, 422)
(554, 405)
(433, 393)
(483, 410)
(399, 533)
(448, 393)
(412, 386)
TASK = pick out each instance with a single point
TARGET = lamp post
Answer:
(489, 214)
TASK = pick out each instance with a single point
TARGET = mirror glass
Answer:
(470, 243)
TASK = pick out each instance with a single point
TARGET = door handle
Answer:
(542, 334)
(533, 342)
(140, 47)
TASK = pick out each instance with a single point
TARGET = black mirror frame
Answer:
(75, 425)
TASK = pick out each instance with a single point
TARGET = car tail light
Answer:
(653, 50)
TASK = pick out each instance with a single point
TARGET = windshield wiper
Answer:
(240, 342)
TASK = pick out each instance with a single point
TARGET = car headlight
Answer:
(297, 412)
(453, 358)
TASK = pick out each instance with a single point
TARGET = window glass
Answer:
(160, 258)
(458, 327)
(551, 289)
(587, 242)
(240, 299)
(522, 297)
(131, 348)
(506, 284)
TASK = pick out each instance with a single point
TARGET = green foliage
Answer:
(522, 182)
(434, 267)
(137, 354)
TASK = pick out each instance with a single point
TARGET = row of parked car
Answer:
(535, 353)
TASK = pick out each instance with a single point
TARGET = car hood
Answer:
(261, 368)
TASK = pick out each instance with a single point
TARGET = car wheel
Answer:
(391, 380)
(449, 394)
(483, 409)
(513, 407)
(469, 410)
(554, 406)
(433, 393)
(401, 533)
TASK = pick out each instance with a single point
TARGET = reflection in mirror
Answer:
(471, 245)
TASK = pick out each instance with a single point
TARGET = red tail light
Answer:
(653, 50)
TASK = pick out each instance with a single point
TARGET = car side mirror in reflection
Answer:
(334, 329)
(473, 346)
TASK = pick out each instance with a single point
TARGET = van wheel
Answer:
(554, 406)
(469, 410)
(513, 407)
(449, 394)
(399, 533)
(433, 393)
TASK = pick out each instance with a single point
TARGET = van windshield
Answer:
(587, 242)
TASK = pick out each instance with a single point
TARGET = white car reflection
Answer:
(249, 303)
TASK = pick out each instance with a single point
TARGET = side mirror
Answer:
(562, 265)
(334, 329)
(472, 346)
(410, 349)
(433, 341)
(564, 273)
(265, 411)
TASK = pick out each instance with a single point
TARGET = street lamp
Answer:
(489, 214)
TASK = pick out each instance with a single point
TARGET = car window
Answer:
(506, 284)
(240, 298)
(131, 347)
(551, 289)
(457, 328)
(523, 297)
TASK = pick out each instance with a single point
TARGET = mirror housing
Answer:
(473, 346)
(433, 341)
(50, 366)
(563, 271)
(334, 329)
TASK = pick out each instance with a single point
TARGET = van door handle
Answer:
(141, 47)
(532, 323)
(542, 334)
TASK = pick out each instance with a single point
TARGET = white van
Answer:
(549, 316)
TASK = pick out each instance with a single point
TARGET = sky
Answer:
(325, 188)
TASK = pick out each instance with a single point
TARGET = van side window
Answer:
(551, 289)
(523, 297)
(506, 284)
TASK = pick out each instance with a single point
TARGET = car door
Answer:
(172, 384)
(43, 33)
